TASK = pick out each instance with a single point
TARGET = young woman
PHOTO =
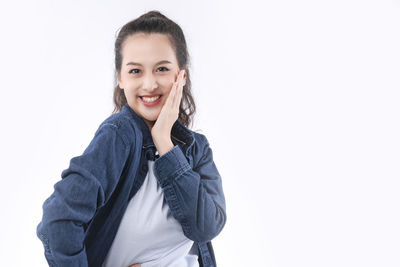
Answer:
(146, 191)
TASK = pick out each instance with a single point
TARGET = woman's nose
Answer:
(149, 82)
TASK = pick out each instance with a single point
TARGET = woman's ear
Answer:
(119, 81)
(184, 78)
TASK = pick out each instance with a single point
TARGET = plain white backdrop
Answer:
(300, 102)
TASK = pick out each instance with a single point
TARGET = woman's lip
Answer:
(151, 103)
(150, 95)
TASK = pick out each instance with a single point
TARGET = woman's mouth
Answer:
(150, 101)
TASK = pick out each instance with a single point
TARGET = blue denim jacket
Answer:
(81, 217)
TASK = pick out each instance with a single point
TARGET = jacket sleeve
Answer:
(194, 195)
(85, 186)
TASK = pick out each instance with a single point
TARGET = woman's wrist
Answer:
(163, 146)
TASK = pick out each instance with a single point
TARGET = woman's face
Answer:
(149, 68)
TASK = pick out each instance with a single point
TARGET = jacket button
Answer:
(144, 168)
(148, 154)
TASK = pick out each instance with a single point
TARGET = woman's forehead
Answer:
(140, 42)
(148, 49)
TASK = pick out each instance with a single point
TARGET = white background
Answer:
(299, 100)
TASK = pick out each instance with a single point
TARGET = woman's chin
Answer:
(151, 119)
(150, 115)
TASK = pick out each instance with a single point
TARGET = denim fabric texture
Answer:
(81, 217)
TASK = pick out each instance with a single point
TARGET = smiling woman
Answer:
(146, 191)
(150, 45)
(144, 78)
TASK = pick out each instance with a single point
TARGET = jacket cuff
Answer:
(170, 165)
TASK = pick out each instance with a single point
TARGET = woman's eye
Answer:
(133, 70)
(163, 68)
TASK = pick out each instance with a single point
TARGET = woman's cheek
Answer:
(168, 85)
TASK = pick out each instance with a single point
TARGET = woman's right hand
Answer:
(135, 265)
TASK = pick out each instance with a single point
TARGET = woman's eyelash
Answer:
(131, 71)
(164, 68)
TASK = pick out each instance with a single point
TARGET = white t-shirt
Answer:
(148, 233)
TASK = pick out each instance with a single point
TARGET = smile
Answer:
(150, 101)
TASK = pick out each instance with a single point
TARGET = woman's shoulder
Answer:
(120, 124)
(199, 136)
(201, 150)
(201, 143)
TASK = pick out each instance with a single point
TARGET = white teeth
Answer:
(150, 99)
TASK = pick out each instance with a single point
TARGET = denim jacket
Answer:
(81, 217)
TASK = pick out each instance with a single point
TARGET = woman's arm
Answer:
(85, 186)
(195, 196)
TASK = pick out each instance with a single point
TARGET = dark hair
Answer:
(155, 22)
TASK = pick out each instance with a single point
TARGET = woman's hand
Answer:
(161, 130)
(135, 265)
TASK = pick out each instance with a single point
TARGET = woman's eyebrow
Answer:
(160, 62)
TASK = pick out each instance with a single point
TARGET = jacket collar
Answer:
(180, 134)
